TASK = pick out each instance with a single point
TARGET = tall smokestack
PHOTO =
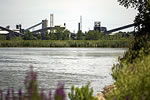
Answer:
(81, 23)
(51, 20)
(79, 27)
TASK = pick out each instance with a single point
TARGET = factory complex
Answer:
(44, 28)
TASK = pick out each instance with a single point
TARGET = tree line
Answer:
(64, 34)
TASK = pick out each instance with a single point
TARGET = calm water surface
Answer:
(72, 66)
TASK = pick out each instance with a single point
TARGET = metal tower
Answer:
(80, 22)
(51, 20)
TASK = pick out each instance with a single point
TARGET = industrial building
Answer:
(98, 27)
(45, 28)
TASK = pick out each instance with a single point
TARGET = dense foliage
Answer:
(79, 35)
(63, 39)
(83, 93)
(142, 19)
(132, 74)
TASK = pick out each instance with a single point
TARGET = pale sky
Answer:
(30, 12)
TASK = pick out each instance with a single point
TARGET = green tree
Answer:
(135, 63)
(39, 36)
(59, 33)
(142, 19)
(92, 35)
(29, 36)
(47, 36)
(52, 36)
(118, 35)
(79, 35)
(9, 36)
(2, 37)
(66, 35)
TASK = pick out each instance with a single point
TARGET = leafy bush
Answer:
(132, 74)
(133, 81)
(83, 93)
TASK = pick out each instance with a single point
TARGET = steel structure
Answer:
(34, 26)
(45, 29)
(120, 28)
(11, 31)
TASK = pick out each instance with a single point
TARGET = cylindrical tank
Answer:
(44, 23)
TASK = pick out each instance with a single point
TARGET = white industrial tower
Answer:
(80, 22)
(51, 20)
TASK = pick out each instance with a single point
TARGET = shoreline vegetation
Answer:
(64, 38)
(132, 74)
(124, 43)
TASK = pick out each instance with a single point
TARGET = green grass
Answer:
(65, 43)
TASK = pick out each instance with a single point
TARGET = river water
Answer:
(71, 66)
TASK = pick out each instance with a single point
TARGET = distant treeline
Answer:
(65, 43)
(64, 34)
(64, 38)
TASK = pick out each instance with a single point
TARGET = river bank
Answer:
(66, 43)
(107, 89)
(132, 73)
